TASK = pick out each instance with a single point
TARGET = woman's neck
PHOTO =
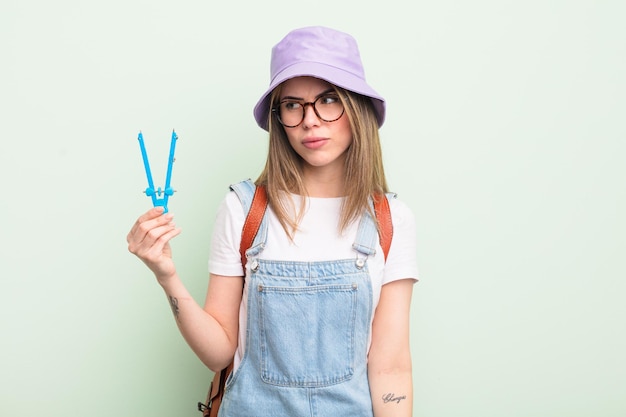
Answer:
(324, 184)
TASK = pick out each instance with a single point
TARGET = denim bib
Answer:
(308, 324)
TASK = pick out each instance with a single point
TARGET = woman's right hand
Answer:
(149, 238)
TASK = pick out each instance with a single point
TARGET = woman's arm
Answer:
(389, 361)
(211, 332)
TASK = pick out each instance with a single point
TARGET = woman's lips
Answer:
(314, 143)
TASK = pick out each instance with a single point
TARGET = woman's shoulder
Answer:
(231, 206)
(401, 213)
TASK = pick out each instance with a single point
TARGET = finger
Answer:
(148, 215)
(157, 249)
(147, 233)
(154, 254)
(154, 232)
(144, 247)
(148, 221)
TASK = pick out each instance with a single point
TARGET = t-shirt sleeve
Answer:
(402, 259)
(224, 257)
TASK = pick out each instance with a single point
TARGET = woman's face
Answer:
(322, 145)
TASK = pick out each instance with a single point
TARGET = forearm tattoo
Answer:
(391, 397)
(174, 305)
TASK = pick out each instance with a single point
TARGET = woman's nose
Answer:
(310, 117)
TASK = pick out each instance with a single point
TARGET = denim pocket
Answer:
(307, 334)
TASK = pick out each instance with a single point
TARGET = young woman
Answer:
(317, 322)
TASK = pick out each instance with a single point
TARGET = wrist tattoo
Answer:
(391, 397)
(174, 306)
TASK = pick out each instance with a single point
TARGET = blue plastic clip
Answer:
(155, 194)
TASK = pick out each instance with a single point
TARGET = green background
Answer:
(505, 135)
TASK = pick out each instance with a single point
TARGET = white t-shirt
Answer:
(317, 239)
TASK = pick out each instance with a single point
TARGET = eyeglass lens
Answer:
(327, 107)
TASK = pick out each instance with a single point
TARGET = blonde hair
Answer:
(364, 176)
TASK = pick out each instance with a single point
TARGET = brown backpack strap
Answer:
(215, 394)
(385, 225)
(253, 221)
(259, 204)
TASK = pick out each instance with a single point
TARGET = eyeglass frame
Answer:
(276, 110)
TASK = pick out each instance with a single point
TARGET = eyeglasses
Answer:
(291, 112)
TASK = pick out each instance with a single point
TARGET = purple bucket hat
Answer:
(322, 53)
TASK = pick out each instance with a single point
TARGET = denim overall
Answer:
(308, 327)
